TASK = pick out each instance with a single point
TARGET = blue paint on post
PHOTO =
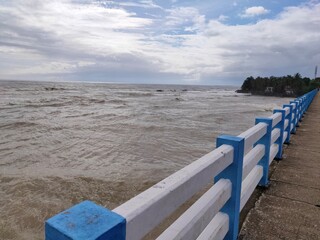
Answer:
(234, 173)
(294, 129)
(300, 109)
(289, 118)
(266, 141)
(86, 221)
(311, 95)
(280, 125)
(304, 104)
(298, 112)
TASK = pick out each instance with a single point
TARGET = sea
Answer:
(62, 143)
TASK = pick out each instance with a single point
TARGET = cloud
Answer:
(187, 17)
(142, 4)
(93, 41)
(222, 18)
(254, 11)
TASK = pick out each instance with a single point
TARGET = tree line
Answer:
(290, 85)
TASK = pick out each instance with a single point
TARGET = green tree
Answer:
(281, 85)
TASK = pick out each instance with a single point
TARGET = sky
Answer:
(152, 41)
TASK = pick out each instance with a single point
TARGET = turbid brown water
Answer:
(62, 143)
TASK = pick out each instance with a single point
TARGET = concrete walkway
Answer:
(290, 207)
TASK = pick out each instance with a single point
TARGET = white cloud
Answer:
(45, 39)
(182, 16)
(222, 18)
(254, 11)
(142, 4)
(55, 23)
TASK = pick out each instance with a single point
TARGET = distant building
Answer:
(268, 90)
(288, 90)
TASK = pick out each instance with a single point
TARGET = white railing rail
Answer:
(236, 167)
(148, 209)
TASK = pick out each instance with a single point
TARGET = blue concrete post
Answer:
(266, 141)
(297, 112)
(311, 95)
(234, 173)
(310, 98)
(300, 109)
(280, 125)
(86, 221)
(294, 121)
(300, 99)
(289, 117)
(304, 99)
(315, 91)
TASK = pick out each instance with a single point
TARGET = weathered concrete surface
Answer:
(290, 207)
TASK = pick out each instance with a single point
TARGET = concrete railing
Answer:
(236, 166)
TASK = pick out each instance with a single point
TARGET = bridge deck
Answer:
(290, 207)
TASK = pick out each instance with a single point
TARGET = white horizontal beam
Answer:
(273, 151)
(217, 228)
(276, 118)
(149, 208)
(193, 221)
(293, 105)
(293, 116)
(286, 123)
(249, 184)
(285, 135)
(252, 135)
(275, 134)
(292, 126)
(287, 109)
(252, 159)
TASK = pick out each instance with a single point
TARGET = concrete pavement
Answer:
(290, 207)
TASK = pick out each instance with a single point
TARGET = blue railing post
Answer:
(310, 98)
(294, 120)
(84, 221)
(301, 105)
(266, 141)
(300, 109)
(280, 125)
(298, 112)
(289, 118)
(300, 99)
(234, 174)
(311, 95)
(304, 99)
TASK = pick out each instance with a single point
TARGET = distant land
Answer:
(285, 86)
